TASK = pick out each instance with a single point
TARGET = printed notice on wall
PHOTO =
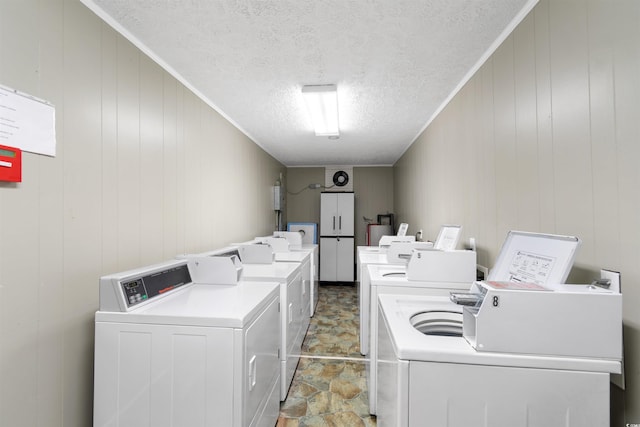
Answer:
(27, 123)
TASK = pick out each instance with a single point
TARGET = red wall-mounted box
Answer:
(10, 164)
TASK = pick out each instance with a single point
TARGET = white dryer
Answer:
(172, 352)
(293, 317)
(430, 376)
(287, 246)
(297, 243)
(304, 259)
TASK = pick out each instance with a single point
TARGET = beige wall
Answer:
(303, 203)
(373, 187)
(374, 195)
(545, 137)
(142, 173)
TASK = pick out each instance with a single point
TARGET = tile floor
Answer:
(329, 388)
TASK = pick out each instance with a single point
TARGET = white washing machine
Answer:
(395, 279)
(366, 258)
(429, 375)
(396, 253)
(524, 257)
(170, 352)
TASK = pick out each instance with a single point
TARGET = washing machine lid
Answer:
(396, 275)
(299, 256)
(387, 272)
(203, 305)
(279, 271)
(372, 257)
(535, 258)
(410, 344)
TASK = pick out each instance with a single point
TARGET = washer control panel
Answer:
(139, 289)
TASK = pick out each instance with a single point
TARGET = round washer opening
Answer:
(395, 274)
(442, 323)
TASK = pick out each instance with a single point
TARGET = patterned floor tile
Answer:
(329, 388)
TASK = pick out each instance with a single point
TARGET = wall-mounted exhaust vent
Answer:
(339, 178)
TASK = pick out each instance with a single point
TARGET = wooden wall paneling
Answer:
(50, 340)
(181, 179)
(601, 17)
(488, 216)
(170, 189)
(255, 191)
(193, 172)
(152, 173)
(546, 166)
(407, 189)
(465, 210)
(82, 202)
(423, 188)
(571, 138)
(627, 94)
(129, 173)
(505, 135)
(223, 185)
(626, 66)
(468, 172)
(109, 161)
(209, 207)
(20, 209)
(527, 194)
(437, 196)
(451, 178)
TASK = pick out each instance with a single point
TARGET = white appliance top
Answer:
(396, 275)
(369, 250)
(367, 257)
(278, 271)
(410, 344)
(448, 237)
(296, 256)
(231, 306)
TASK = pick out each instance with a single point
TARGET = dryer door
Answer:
(261, 366)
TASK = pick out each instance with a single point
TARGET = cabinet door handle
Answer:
(334, 222)
(340, 222)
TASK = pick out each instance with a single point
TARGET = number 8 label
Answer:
(496, 301)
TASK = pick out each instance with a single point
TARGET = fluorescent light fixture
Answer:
(322, 103)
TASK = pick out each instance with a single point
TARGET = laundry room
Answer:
(162, 143)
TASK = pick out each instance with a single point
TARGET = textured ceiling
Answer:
(395, 63)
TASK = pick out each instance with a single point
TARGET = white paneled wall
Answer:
(546, 137)
(144, 170)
